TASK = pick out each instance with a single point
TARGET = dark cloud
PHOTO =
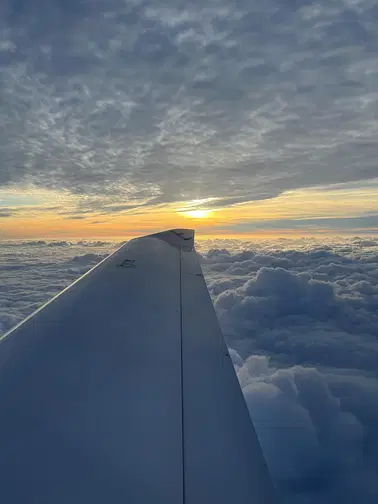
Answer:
(15, 211)
(6, 212)
(167, 101)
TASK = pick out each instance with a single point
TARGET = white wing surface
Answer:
(121, 390)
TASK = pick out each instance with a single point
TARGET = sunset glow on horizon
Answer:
(36, 213)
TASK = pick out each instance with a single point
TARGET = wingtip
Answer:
(186, 234)
(179, 238)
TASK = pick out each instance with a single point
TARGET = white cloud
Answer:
(305, 346)
(32, 272)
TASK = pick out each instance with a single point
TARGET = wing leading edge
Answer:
(121, 389)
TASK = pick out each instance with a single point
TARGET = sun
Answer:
(196, 214)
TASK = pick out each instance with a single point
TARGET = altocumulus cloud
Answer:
(301, 323)
(168, 100)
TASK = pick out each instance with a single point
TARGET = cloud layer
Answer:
(300, 319)
(165, 101)
(33, 272)
(303, 326)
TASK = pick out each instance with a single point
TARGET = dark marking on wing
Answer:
(182, 236)
(127, 263)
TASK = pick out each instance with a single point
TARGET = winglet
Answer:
(179, 238)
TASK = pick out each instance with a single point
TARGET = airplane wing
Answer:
(121, 390)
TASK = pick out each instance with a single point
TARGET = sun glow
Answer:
(39, 214)
(196, 214)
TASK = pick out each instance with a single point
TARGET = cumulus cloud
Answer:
(312, 443)
(304, 344)
(87, 259)
(154, 101)
(300, 319)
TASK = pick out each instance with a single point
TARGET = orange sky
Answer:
(34, 213)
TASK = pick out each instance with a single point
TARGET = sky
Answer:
(237, 118)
